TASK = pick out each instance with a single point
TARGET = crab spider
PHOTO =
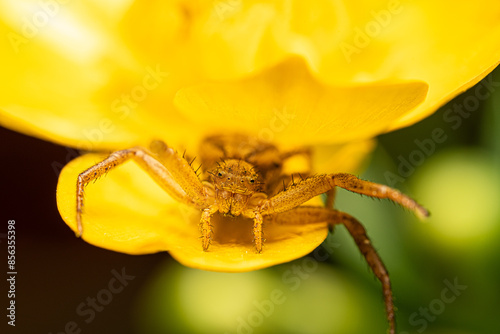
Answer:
(243, 176)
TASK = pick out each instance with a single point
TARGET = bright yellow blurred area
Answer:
(72, 65)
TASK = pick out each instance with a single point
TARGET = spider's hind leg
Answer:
(313, 215)
(366, 248)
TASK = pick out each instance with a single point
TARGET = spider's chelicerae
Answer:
(242, 176)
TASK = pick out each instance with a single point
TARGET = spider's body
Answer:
(235, 185)
(243, 177)
(239, 172)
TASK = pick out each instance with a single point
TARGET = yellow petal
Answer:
(232, 249)
(126, 211)
(238, 38)
(450, 47)
(71, 80)
(62, 94)
(285, 104)
(346, 158)
(44, 79)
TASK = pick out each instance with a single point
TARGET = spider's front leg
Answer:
(202, 193)
(317, 185)
(286, 207)
(206, 226)
(311, 215)
(182, 184)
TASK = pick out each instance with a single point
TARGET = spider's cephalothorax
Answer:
(243, 177)
(239, 170)
(235, 182)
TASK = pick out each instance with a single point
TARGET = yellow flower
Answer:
(324, 74)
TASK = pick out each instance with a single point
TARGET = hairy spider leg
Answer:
(257, 231)
(316, 185)
(184, 174)
(311, 215)
(354, 184)
(330, 198)
(158, 171)
(206, 226)
(258, 221)
(284, 181)
(181, 171)
(275, 186)
(286, 205)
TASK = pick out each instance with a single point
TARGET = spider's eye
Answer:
(252, 181)
(219, 174)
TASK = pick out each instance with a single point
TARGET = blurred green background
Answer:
(445, 271)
